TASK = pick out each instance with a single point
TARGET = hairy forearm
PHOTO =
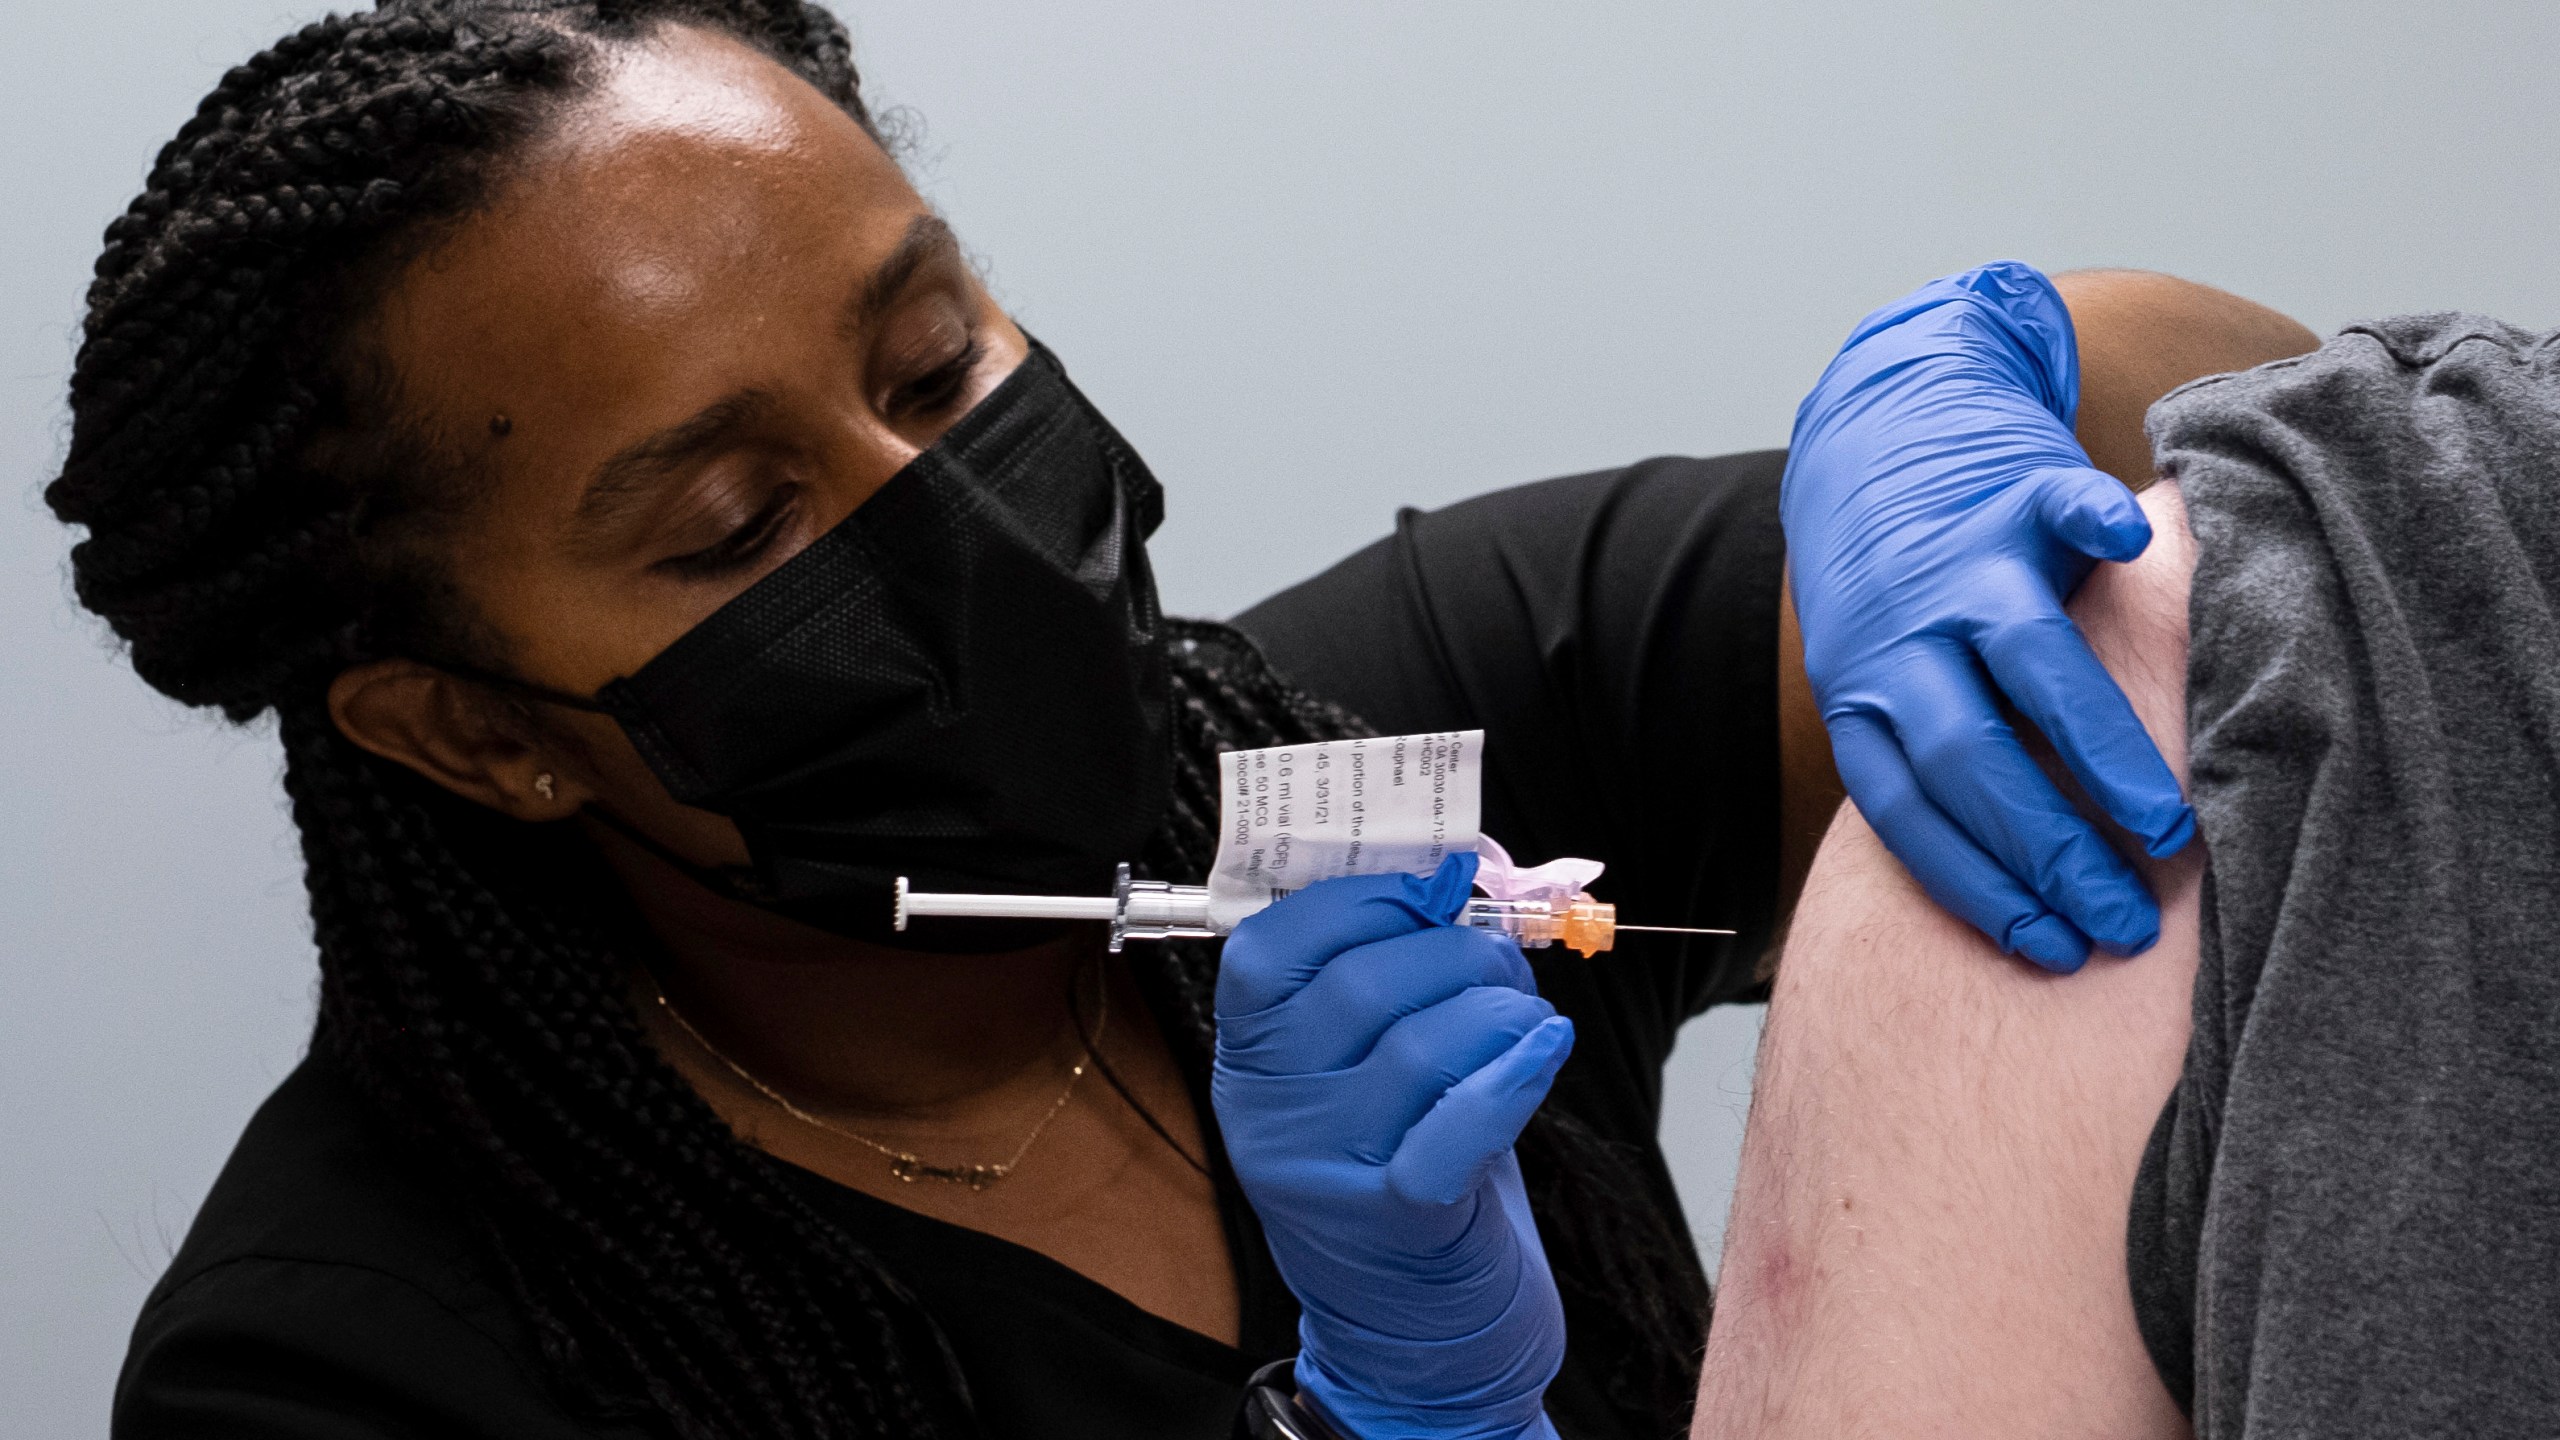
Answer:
(1928, 1233)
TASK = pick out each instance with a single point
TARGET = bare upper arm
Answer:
(2143, 334)
(1928, 1233)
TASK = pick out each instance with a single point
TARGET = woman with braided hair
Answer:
(565, 420)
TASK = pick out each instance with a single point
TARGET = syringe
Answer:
(1154, 910)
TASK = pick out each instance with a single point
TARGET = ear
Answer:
(448, 730)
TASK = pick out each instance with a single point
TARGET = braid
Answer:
(472, 985)
(473, 969)
(199, 384)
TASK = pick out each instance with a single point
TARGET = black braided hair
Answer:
(473, 968)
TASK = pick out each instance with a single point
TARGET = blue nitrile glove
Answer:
(1938, 512)
(1374, 1065)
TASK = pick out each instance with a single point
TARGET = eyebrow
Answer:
(927, 241)
(631, 472)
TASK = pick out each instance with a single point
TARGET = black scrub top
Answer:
(1615, 636)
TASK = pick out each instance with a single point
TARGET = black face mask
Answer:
(962, 683)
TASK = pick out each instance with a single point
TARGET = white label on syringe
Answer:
(1292, 815)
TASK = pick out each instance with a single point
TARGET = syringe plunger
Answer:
(1003, 907)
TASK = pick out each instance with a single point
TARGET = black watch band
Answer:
(1272, 1410)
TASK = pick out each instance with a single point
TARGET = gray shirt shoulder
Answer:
(2348, 1222)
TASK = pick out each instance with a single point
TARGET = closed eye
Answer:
(740, 548)
(939, 388)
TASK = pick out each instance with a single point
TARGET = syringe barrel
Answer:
(1153, 910)
(1583, 924)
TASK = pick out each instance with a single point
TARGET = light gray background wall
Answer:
(1347, 256)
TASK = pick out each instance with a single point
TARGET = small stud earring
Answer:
(545, 786)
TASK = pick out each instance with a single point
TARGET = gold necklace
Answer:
(906, 1164)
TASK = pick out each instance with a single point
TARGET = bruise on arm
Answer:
(1928, 1233)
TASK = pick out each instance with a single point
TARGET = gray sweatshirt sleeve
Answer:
(2348, 1222)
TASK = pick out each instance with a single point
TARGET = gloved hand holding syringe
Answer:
(1375, 1062)
(1294, 815)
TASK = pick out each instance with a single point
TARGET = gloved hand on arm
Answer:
(1938, 513)
(1374, 1065)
